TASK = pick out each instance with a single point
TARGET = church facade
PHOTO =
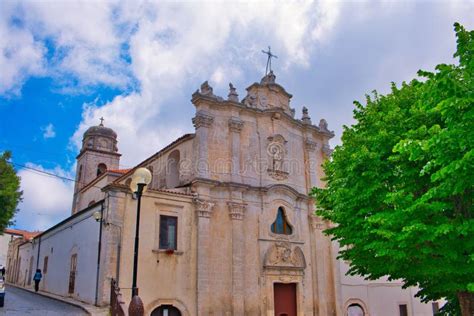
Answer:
(227, 225)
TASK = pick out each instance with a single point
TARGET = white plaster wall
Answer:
(79, 235)
(4, 241)
(380, 297)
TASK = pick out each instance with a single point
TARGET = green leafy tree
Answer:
(399, 189)
(10, 194)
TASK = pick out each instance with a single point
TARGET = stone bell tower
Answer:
(98, 154)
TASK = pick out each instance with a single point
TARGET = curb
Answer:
(45, 294)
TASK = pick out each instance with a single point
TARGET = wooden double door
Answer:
(284, 299)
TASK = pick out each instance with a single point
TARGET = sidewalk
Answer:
(90, 309)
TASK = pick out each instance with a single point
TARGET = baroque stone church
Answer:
(227, 226)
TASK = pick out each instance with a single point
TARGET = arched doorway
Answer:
(166, 310)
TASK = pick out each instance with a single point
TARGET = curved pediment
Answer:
(283, 255)
(268, 95)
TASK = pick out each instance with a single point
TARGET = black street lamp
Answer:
(140, 179)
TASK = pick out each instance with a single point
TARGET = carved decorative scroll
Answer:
(283, 255)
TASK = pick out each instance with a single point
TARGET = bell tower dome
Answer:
(98, 154)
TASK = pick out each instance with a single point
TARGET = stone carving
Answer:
(292, 111)
(323, 125)
(310, 145)
(250, 100)
(206, 89)
(233, 96)
(276, 150)
(236, 124)
(202, 119)
(281, 254)
(263, 102)
(203, 207)
(236, 210)
(327, 151)
(269, 78)
(306, 119)
(316, 222)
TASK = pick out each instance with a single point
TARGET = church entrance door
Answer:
(285, 299)
(166, 310)
(72, 273)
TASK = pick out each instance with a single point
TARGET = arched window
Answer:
(101, 168)
(91, 203)
(281, 225)
(166, 310)
(172, 170)
(355, 310)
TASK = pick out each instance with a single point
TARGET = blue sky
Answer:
(64, 65)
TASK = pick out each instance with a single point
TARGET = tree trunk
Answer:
(466, 301)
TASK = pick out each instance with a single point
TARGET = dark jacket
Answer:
(37, 276)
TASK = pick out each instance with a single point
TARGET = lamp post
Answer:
(140, 179)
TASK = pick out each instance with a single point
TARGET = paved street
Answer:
(20, 302)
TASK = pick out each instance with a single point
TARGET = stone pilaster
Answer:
(203, 211)
(236, 213)
(322, 257)
(235, 127)
(312, 162)
(202, 122)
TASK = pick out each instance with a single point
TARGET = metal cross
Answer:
(101, 121)
(269, 60)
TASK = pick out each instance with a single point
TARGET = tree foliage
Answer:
(10, 194)
(400, 187)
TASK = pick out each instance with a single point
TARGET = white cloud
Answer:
(21, 55)
(46, 199)
(48, 131)
(174, 44)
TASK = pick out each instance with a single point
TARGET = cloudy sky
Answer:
(64, 64)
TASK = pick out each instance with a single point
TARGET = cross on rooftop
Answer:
(101, 121)
(269, 60)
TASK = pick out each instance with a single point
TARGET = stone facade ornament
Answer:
(250, 100)
(277, 152)
(310, 145)
(323, 125)
(236, 124)
(203, 207)
(293, 112)
(233, 96)
(306, 119)
(283, 255)
(202, 119)
(269, 78)
(206, 89)
(327, 151)
(236, 210)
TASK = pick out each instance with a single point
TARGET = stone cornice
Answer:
(97, 151)
(213, 102)
(247, 187)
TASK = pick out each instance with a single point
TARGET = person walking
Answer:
(37, 279)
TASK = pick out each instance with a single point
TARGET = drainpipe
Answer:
(98, 254)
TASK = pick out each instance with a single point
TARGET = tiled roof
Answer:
(26, 234)
(121, 171)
